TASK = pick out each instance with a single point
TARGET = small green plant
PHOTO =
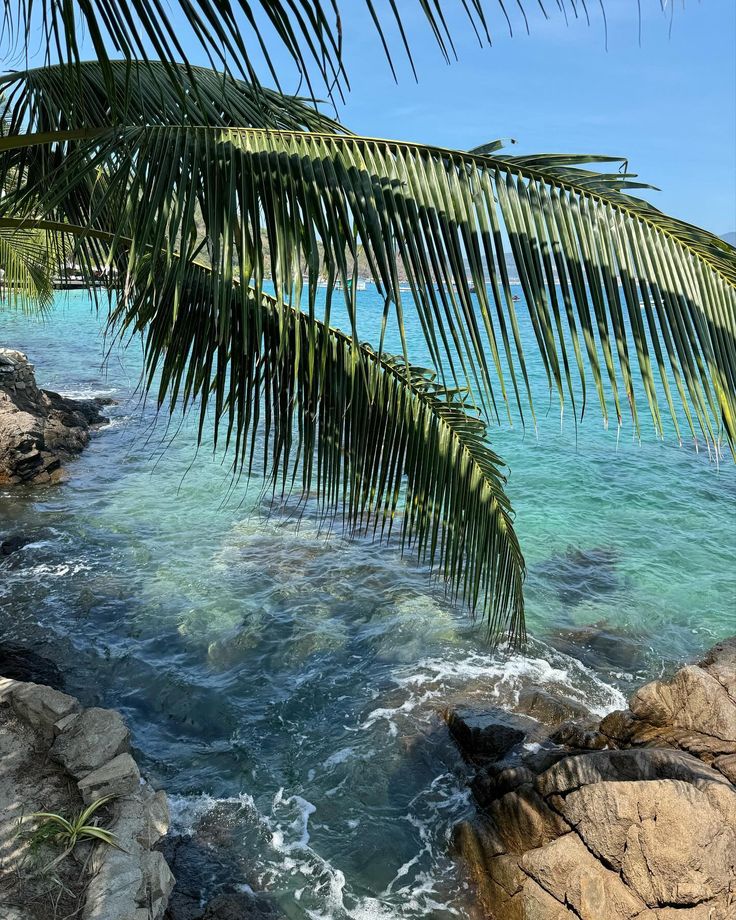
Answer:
(58, 829)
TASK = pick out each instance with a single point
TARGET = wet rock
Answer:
(579, 735)
(118, 777)
(487, 736)
(200, 866)
(39, 430)
(24, 664)
(93, 739)
(13, 544)
(548, 708)
(240, 906)
(601, 647)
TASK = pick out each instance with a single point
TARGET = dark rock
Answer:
(548, 708)
(240, 906)
(201, 868)
(24, 664)
(495, 781)
(581, 736)
(601, 647)
(487, 736)
(14, 543)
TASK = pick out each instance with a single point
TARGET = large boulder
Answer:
(39, 430)
(647, 832)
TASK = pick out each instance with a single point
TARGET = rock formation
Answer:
(39, 430)
(631, 818)
(92, 750)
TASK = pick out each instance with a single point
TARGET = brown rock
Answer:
(38, 429)
(525, 821)
(631, 826)
(569, 872)
(537, 904)
(548, 708)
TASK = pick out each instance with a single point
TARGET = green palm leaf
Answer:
(613, 288)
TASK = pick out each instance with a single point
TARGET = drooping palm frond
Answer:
(369, 438)
(228, 31)
(613, 288)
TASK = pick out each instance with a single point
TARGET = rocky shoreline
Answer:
(630, 817)
(39, 430)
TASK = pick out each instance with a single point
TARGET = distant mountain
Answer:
(730, 238)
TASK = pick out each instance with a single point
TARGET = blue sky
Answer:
(668, 103)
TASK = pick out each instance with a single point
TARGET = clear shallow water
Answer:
(286, 688)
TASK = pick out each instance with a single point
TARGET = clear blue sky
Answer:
(668, 103)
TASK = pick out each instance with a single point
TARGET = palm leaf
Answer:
(371, 438)
(613, 288)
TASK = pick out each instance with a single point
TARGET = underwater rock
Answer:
(39, 430)
(581, 574)
(647, 831)
(601, 647)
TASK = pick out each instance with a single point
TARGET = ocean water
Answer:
(285, 685)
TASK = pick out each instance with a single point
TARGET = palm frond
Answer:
(368, 436)
(612, 287)
(62, 96)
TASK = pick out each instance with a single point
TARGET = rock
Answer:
(534, 903)
(646, 832)
(117, 880)
(118, 777)
(601, 647)
(239, 906)
(94, 738)
(572, 875)
(158, 883)
(487, 736)
(39, 430)
(579, 735)
(578, 770)
(727, 766)
(495, 781)
(550, 709)
(24, 664)
(41, 707)
(13, 544)
(579, 574)
(524, 821)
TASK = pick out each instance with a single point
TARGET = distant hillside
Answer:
(730, 238)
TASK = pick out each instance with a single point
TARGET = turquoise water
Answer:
(286, 688)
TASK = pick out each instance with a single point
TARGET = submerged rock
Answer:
(581, 574)
(644, 832)
(39, 430)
